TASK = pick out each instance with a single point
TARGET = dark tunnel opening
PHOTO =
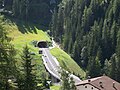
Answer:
(42, 44)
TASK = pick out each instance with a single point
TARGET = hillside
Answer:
(67, 62)
(28, 10)
(28, 35)
(89, 30)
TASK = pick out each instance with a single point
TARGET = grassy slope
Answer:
(67, 62)
(55, 87)
(21, 39)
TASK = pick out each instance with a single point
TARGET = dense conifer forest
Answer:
(30, 10)
(89, 30)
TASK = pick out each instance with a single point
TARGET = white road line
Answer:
(50, 71)
(56, 74)
(54, 68)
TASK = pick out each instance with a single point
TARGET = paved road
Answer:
(52, 65)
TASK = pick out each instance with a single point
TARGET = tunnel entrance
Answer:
(42, 44)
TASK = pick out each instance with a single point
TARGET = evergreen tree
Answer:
(16, 7)
(60, 21)
(92, 24)
(107, 67)
(114, 36)
(7, 60)
(99, 53)
(54, 23)
(29, 78)
(106, 41)
(118, 57)
(94, 67)
(72, 84)
(113, 68)
(84, 57)
(67, 33)
(65, 80)
(76, 52)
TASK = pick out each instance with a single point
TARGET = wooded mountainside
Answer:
(36, 11)
(89, 30)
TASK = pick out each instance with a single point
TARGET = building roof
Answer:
(102, 83)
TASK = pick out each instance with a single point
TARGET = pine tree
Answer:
(118, 57)
(99, 54)
(92, 24)
(72, 84)
(16, 7)
(7, 60)
(84, 57)
(60, 29)
(24, 7)
(114, 36)
(54, 23)
(107, 66)
(70, 45)
(67, 33)
(65, 80)
(106, 41)
(113, 67)
(76, 52)
(29, 78)
(94, 67)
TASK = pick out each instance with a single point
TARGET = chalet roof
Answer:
(102, 83)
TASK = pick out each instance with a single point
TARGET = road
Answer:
(52, 65)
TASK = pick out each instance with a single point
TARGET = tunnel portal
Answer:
(42, 44)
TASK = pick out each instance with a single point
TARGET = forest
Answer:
(88, 30)
(30, 10)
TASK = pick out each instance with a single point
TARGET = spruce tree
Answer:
(72, 84)
(94, 67)
(7, 60)
(65, 80)
(114, 36)
(84, 57)
(54, 23)
(107, 67)
(118, 57)
(60, 29)
(113, 67)
(16, 7)
(29, 77)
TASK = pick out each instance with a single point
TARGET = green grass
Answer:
(20, 39)
(67, 62)
(23, 34)
(55, 87)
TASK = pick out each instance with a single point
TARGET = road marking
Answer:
(56, 74)
(54, 68)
